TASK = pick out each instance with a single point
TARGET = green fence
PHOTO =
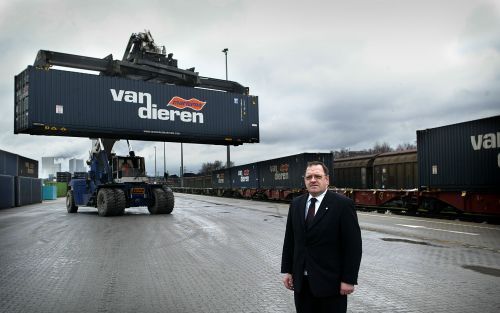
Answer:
(62, 188)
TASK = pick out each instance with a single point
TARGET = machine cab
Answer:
(128, 169)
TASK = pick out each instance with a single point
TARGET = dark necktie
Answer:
(311, 211)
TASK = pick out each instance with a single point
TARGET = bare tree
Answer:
(346, 153)
(343, 153)
(377, 148)
(208, 167)
(381, 148)
(406, 146)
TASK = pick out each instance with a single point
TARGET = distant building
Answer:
(49, 168)
(76, 165)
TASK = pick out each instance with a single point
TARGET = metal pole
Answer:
(164, 162)
(225, 50)
(182, 167)
(155, 164)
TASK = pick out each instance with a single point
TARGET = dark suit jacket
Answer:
(330, 249)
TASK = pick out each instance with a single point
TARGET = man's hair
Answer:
(313, 163)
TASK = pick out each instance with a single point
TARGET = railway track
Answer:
(447, 213)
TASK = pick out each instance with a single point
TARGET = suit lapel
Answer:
(323, 208)
(302, 212)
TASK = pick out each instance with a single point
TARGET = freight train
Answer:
(456, 166)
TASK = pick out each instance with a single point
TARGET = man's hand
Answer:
(346, 289)
(288, 281)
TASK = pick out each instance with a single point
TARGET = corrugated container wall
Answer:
(63, 103)
(49, 192)
(197, 182)
(28, 190)
(245, 176)
(8, 163)
(63, 177)
(7, 192)
(27, 167)
(396, 170)
(464, 156)
(353, 172)
(221, 178)
(16, 165)
(288, 172)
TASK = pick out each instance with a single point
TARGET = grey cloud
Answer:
(329, 75)
(482, 30)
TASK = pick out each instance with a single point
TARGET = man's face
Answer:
(316, 181)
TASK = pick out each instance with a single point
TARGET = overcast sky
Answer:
(329, 74)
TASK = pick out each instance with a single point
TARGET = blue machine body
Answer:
(103, 175)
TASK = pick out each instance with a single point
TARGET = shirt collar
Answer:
(319, 198)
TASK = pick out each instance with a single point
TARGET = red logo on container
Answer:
(180, 103)
(284, 168)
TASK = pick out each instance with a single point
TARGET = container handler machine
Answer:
(117, 182)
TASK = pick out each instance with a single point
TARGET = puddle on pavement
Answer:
(483, 270)
(408, 241)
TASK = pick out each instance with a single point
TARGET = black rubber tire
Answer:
(169, 196)
(120, 201)
(159, 201)
(105, 202)
(70, 202)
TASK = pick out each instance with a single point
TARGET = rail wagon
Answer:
(353, 172)
(456, 166)
(396, 170)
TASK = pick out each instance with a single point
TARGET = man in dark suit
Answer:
(322, 247)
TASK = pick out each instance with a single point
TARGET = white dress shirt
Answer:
(316, 205)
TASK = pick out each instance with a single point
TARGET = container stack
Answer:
(80, 175)
(63, 177)
(19, 182)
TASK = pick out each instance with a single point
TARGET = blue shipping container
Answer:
(7, 194)
(63, 103)
(8, 163)
(288, 172)
(28, 190)
(221, 178)
(245, 176)
(49, 192)
(16, 165)
(463, 156)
